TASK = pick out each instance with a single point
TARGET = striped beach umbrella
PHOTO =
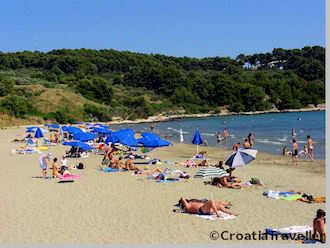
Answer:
(210, 172)
(241, 157)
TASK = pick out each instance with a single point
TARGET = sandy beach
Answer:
(104, 208)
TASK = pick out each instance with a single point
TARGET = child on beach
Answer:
(55, 168)
(319, 225)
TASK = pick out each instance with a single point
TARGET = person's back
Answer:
(319, 225)
(246, 144)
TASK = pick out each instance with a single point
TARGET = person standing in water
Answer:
(218, 137)
(293, 133)
(225, 135)
(310, 148)
(250, 138)
(181, 136)
(152, 127)
(295, 151)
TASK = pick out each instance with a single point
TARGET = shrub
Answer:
(18, 106)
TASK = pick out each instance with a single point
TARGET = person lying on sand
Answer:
(208, 207)
(149, 172)
(225, 182)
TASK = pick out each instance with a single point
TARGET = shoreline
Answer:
(162, 118)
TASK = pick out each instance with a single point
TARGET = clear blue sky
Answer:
(197, 28)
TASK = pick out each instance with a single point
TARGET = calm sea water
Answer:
(272, 131)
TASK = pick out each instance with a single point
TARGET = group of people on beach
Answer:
(307, 152)
(248, 143)
(222, 137)
(45, 163)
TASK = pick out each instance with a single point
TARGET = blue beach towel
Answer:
(168, 180)
(111, 170)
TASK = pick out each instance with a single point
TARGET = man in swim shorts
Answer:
(295, 151)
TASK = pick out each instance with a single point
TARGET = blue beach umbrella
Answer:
(38, 134)
(84, 136)
(123, 136)
(197, 140)
(101, 130)
(241, 157)
(83, 146)
(152, 140)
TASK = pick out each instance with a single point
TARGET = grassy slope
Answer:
(48, 97)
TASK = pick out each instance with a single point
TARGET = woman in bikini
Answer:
(208, 207)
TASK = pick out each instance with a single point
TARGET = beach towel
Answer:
(67, 178)
(223, 216)
(288, 230)
(288, 195)
(152, 161)
(168, 180)
(109, 169)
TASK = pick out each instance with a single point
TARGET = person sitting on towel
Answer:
(231, 177)
(208, 207)
(129, 164)
(204, 163)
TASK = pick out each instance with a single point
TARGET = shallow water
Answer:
(272, 131)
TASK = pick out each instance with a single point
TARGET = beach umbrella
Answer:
(241, 157)
(197, 140)
(211, 172)
(152, 140)
(101, 130)
(123, 136)
(38, 134)
(84, 136)
(83, 146)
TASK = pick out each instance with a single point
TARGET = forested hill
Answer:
(69, 85)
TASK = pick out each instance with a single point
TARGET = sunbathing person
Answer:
(231, 177)
(225, 182)
(208, 207)
(129, 164)
(149, 172)
(204, 163)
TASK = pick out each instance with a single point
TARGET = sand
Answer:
(104, 208)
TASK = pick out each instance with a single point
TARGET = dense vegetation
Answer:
(132, 85)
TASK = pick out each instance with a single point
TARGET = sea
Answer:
(272, 131)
